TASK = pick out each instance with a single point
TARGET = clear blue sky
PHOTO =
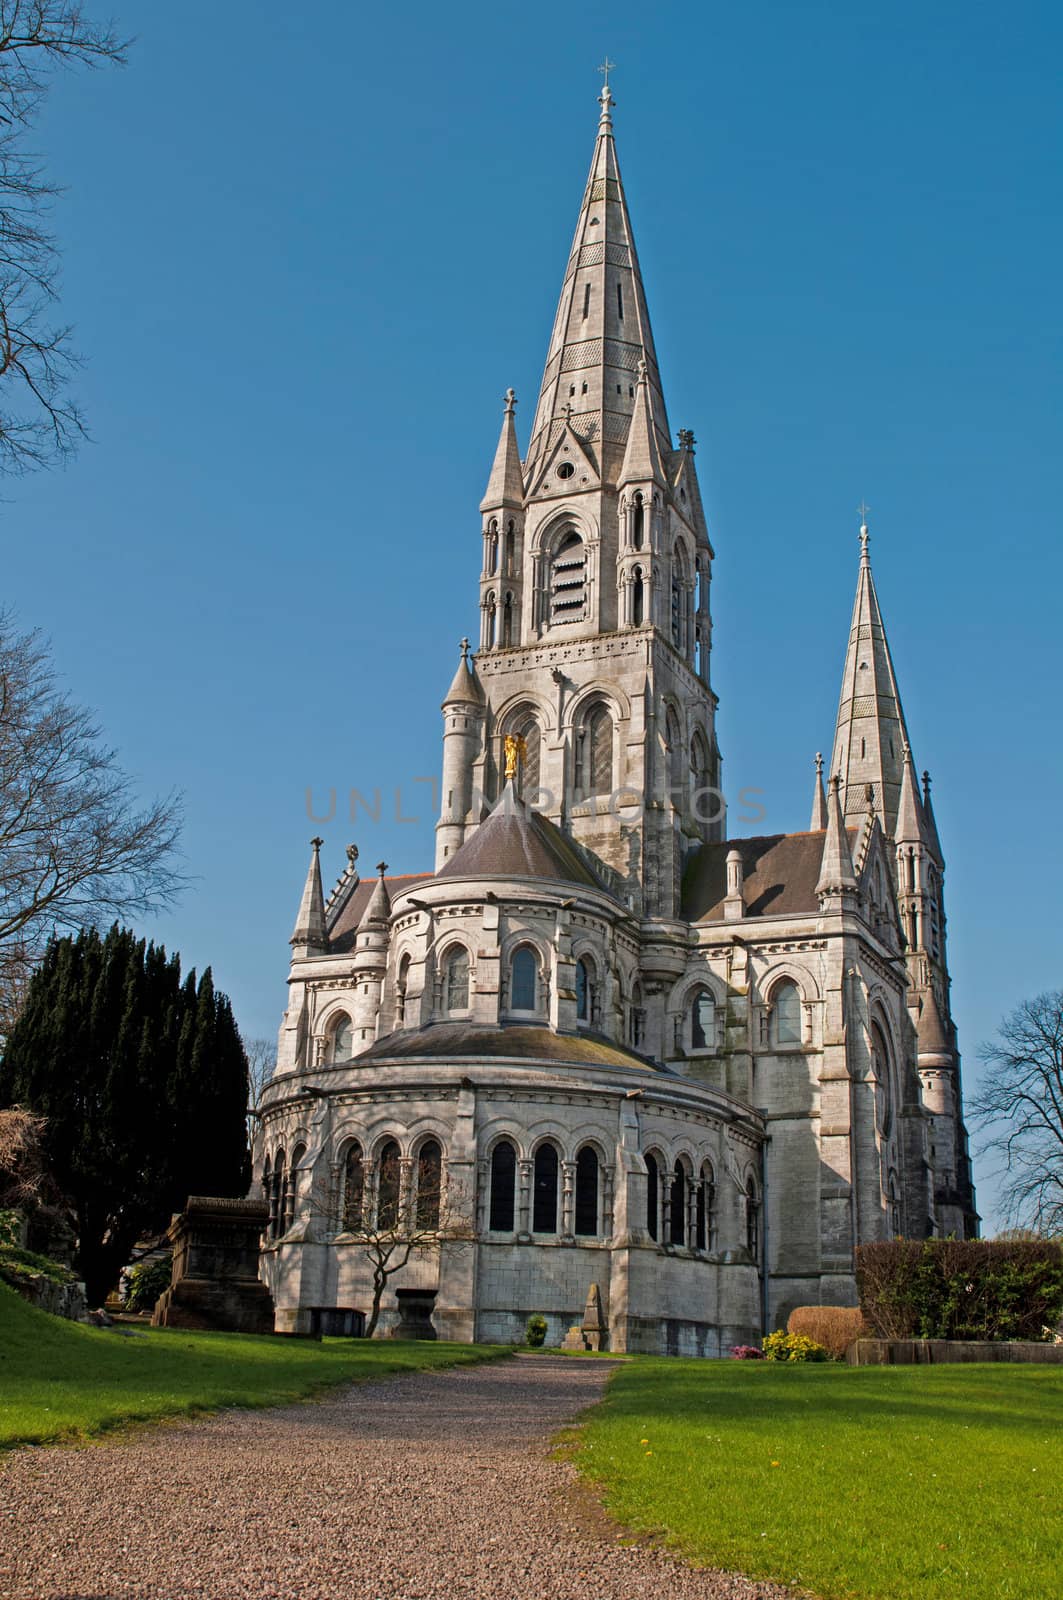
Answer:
(306, 250)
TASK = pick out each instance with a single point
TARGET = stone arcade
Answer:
(692, 1073)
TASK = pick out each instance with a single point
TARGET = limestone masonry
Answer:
(603, 1046)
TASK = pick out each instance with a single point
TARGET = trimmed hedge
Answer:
(834, 1327)
(961, 1288)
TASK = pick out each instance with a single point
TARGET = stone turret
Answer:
(463, 718)
(308, 936)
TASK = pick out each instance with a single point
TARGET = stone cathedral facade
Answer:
(602, 1041)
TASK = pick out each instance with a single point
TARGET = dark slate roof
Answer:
(780, 873)
(514, 842)
(449, 1041)
(341, 937)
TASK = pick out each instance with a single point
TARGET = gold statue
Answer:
(516, 750)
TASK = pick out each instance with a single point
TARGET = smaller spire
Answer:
(505, 486)
(837, 873)
(466, 689)
(909, 828)
(930, 1030)
(933, 838)
(819, 799)
(642, 457)
(865, 538)
(378, 910)
(308, 935)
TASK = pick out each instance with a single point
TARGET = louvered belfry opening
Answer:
(568, 580)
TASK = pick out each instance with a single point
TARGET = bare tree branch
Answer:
(39, 421)
(75, 850)
(1019, 1106)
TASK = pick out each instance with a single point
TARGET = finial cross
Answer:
(605, 69)
(863, 508)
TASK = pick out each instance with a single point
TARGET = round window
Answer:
(565, 470)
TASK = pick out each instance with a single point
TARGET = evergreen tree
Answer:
(142, 1079)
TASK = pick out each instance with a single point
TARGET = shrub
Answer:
(793, 1347)
(747, 1352)
(535, 1332)
(834, 1327)
(961, 1288)
(147, 1281)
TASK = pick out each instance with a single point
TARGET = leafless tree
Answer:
(261, 1064)
(1019, 1107)
(74, 848)
(393, 1209)
(39, 420)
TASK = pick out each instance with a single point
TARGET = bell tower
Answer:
(595, 628)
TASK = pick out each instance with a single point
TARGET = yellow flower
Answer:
(775, 1463)
(644, 1441)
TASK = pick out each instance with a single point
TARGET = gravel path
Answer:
(432, 1484)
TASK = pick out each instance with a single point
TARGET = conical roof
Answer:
(378, 910)
(836, 871)
(515, 842)
(909, 829)
(602, 328)
(642, 457)
(819, 799)
(930, 1030)
(466, 689)
(505, 486)
(309, 930)
(870, 735)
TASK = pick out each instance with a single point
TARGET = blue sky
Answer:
(306, 252)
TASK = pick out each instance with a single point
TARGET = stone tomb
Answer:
(215, 1283)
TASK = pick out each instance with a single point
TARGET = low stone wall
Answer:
(933, 1352)
(60, 1299)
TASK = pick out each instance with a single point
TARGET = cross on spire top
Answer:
(605, 69)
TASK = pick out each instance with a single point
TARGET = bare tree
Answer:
(393, 1209)
(1020, 1108)
(261, 1065)
(39, 420)
(74, 848)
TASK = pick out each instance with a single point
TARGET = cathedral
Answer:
(604, 1050)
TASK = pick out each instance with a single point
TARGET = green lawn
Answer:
(59, 1379)
(882, 1483)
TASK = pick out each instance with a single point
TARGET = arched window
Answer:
(638, 522)
(895, 1208)
(883, 1086)
(787, 1009)
(568, 580)
(492, 547)
(753, 1220)
(706, 1207)
(703, 1021)
(400, 991)
(341, 1040)
(526, 726)
(586, 1193)
(585, 997)
(389, 1177)
(544, 1190)
(636, 1018)
(509, 548)
(429, 1184)
(502, 1209)
(488, 608)
(674, 744)
(507, 619)
(594, 754)
(267, 1190)
(524, 979)
(699, 766)
(638, 598)
(456, 979)
(653, 1186)
(291, 1182)
(353, 1188)
(276, 1199)
(678, 599)
(677, 1221)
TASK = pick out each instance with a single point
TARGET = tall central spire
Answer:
(602, 327)
(870, 738)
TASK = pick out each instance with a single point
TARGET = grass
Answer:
(60, 1380)
(873, 1483)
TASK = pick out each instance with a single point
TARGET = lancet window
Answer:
(568, 580)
